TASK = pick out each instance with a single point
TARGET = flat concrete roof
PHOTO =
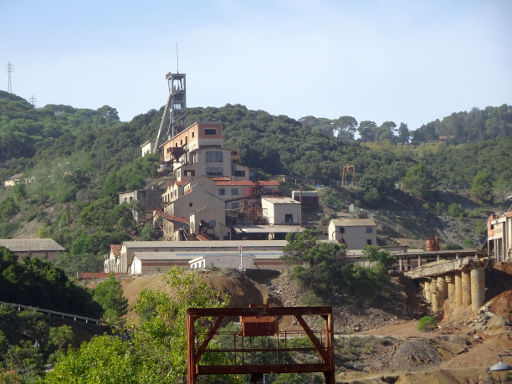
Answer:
(31, 245)
(268, 229)
(349, 222)
(280, 200)
(187, 256)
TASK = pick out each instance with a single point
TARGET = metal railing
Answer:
(55, 313)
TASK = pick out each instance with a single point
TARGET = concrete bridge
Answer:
(452, 284)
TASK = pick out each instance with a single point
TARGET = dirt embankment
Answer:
(380, 343)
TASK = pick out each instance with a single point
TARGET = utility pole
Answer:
(9, 70)
(33, 101)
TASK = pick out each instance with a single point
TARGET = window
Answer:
(369, 229)
(369, 241)
(342, 229)
(189, 173)
(210, 131)
(239, 173)
(221, 191)
(288, 218)
(193, 134)
(214, 157)
(214, 171)
(190, 204)
(234, 191)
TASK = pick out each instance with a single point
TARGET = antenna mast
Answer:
(177, 57)
(9, 70)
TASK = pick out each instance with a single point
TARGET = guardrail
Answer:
(52, 312)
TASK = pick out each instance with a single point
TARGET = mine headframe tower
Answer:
(175, 111)
(256, 322)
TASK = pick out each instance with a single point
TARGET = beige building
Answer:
(146, 147)
(281, 210)
(354, 233)
(197, 151)
(148, 199)
(47, 249)
(499, 237)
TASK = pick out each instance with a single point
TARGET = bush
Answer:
(426, 324)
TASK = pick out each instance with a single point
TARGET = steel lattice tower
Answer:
(176, 107)
(9, 70)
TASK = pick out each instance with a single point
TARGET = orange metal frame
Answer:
(324, 346)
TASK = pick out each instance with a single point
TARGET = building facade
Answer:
(354, 233)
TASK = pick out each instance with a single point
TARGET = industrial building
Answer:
(354, 233)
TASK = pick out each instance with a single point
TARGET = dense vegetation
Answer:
(325, 269)
(468, 127)
(75, 162)
(156, 351)
(30, 339)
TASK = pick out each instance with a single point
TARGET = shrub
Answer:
(426, 324)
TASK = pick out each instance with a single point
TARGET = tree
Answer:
(157, 350)
(418, 180)
(367, 130)
(481, 186)
(403, 133)
(109, 294)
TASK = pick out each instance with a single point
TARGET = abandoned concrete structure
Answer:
(47, 249)
(354, 233)
(149, 199)
(451, 284)
(499, 237)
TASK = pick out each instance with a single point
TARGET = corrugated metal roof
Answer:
(115, 249)
(31, 245)
(247, 183)
(205, 244)
(349, 222)
(268, 182)
(265, 255)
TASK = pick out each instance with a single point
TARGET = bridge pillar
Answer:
(466, 288)
(450, 281)
(477, 288)
(427, 291)
(443, 290)
(434, 296)
(458, 289)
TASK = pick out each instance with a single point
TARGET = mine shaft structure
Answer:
(348, 174)
(258, 346)
(175, 111)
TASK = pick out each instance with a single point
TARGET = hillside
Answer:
(380, 343)
(75, 161)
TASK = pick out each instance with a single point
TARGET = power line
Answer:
(9, 70)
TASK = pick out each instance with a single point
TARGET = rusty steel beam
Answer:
(272, 311)
(210, 335)
(268, 368)
(320, 348)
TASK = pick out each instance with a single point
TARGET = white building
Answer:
(267, 253)
(354, 233)
(224, 260)
(281, 210)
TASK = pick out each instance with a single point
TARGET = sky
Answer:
(399, 60)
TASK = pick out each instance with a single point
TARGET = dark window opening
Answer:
(288, 218)
(369, 242)
(210, 131)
